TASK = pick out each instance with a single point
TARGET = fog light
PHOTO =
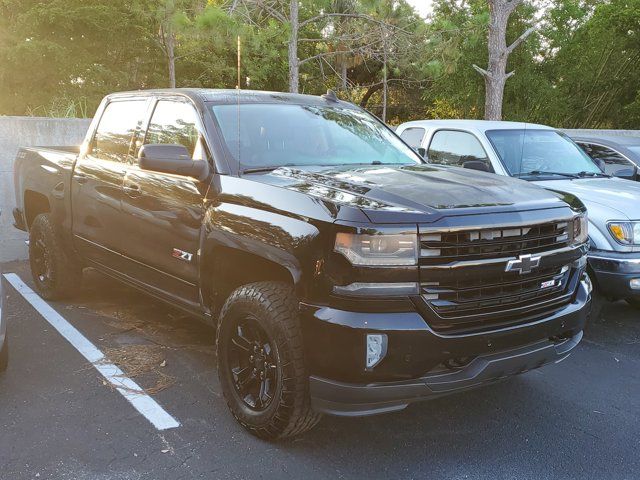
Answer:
(635, 283)
(376, 349)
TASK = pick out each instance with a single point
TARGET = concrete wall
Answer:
(27, 131)
(586, 132)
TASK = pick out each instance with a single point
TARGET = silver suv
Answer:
(547, 157)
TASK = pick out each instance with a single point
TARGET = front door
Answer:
(164, 212)
(96, 187)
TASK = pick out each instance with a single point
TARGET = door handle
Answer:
(81, 178)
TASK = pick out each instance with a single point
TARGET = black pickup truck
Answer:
(344, 275)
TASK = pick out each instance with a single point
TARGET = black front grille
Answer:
(437, 248)
(465, 285)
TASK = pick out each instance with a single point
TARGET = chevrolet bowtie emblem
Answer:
(524, 264)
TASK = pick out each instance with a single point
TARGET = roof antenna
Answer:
(330, 96)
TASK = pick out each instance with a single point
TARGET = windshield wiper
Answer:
(542, 173)
(593, 174)
(270, 168)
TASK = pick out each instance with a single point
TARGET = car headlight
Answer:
(378, 250)
(580, 229)
(626, 233)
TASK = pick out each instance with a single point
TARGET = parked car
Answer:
(550, 159)
(4, 342)
(344, 274)
(618, 155)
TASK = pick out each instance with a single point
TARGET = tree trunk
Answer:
(171, 57)
(495, 81)
(294, 63)
(343, 71)
(385, 77)
(495, 76)
(370, 92)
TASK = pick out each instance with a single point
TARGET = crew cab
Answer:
(345, 276)
(547, 157)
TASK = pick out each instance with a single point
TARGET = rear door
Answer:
(97, 181)
(163, 213)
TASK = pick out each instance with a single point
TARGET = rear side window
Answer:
(413, 136)
(174, 123)
(450, 147)
(117, 128)
(614, 162)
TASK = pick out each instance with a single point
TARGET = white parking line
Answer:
(129, 389)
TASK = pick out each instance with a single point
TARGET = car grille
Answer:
(437, 248)
(464, 284)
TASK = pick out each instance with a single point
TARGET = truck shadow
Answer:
(541, 418)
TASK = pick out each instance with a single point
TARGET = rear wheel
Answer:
(261, 361)
(55, 272)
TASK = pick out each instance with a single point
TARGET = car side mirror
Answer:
(601, 164)
(422, 152)
(478, 165)
(174, 159)
(627, 173)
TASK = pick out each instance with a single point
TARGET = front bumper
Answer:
(614, 272)
(339, 384)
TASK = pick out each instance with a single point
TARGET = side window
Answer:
(175, 123)
(614, 162)
(413, 136)
(116, 130)
(449, 147)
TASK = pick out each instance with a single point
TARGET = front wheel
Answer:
(261, 361)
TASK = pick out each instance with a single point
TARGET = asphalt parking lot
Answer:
(60, 419)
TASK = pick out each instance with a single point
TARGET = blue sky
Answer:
(422, 6)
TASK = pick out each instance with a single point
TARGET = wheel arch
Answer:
(226, 268)
(35, 203)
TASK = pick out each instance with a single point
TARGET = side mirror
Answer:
(630, 173)
(478, 165)
(173, 159)
(422, 152)
(601, 164)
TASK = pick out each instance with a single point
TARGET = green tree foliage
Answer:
(71, 50)
(580, 69)
(594, 64)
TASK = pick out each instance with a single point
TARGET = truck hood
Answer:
(605, 198)
(419, 189)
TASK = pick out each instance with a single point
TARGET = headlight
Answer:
(580, 229)
(378, 250)
(626, 233)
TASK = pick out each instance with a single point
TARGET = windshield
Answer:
(538, 152)
(273, 135)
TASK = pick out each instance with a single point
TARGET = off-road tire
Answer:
(64, 272)
(274, 307)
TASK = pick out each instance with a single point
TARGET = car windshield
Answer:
(273, 135)
(540, 153)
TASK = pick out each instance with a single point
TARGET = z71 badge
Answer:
(181, 255)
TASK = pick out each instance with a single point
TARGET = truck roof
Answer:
(231, 95)
(477, 125)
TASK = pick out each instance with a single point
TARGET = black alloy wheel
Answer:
(253, 364)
